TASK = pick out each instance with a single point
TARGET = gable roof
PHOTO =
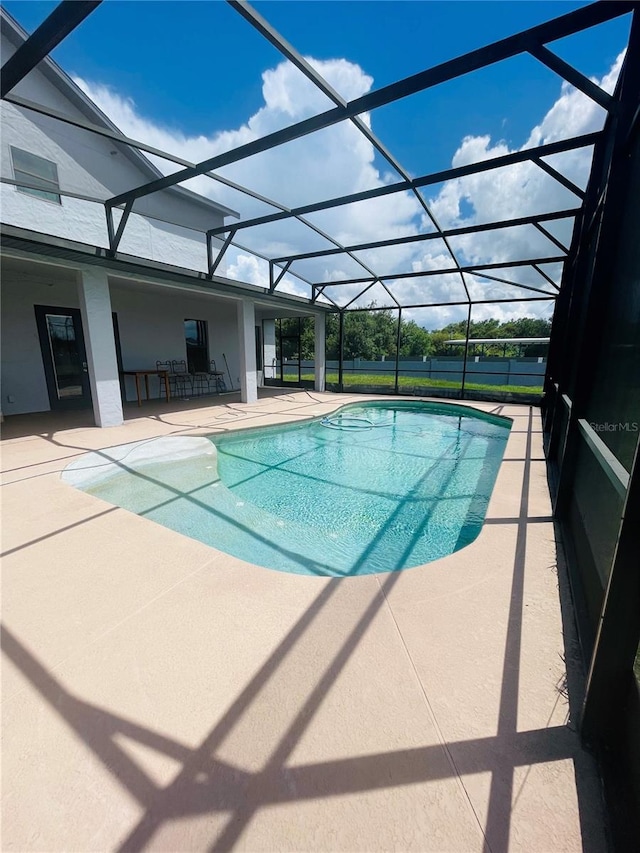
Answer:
(55, 75)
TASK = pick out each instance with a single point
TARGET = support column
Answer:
(247, 346)
(320, 358)
(97, 324)
(341, 351)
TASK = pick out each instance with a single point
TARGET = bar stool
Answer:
(217, 378)
(165, 365)
(200, 382)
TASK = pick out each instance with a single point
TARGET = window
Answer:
(195, 333)
(41, 174)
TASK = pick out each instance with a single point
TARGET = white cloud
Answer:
(332, 162)
(573, 111)
(249, 269)
(339, 160)
(253, 270)
(520, 190)
(523, 188)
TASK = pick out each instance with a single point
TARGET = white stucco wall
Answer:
(85, 222)
(151, 325)
(150, 322)
(97, 167)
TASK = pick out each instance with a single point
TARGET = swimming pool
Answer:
(375, 487)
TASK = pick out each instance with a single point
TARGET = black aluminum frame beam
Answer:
(318, 292)
(559, 177)
(573, 76)
(471, 268)
(544, 275)
(56, 27)
(449, 232)
(268, 260)
(229, 241)
(283, 46)
(512, 283)
(396, 307)
(115, 235)
(510, 159)
(84, 197)
(316, 288)
(214, 263)
(274, 281)
(116, 136)
(550, 236)
(286, 49)
(550, 298)
(534, 39)
(321, 288)
(523, 42)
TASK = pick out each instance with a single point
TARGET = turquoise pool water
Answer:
(375, 487)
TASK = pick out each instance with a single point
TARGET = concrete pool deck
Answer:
(158, 694)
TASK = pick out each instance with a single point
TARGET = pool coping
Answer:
(96, 468)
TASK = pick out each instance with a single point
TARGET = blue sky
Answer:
(194, 78)
(180, 60)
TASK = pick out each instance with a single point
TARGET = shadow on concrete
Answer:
(206, 785)
(44, 424)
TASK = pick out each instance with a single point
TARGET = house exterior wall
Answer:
(150, 323)
(151, 326)
(22, 378)
(150, 312)
(100, 168)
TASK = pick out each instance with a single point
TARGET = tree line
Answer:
(372, 334)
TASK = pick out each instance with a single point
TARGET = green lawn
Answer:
(351, 379)
(387, 380)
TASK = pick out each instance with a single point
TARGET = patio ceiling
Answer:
(355, 273)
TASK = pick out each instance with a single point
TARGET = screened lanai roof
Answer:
(493, 225)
